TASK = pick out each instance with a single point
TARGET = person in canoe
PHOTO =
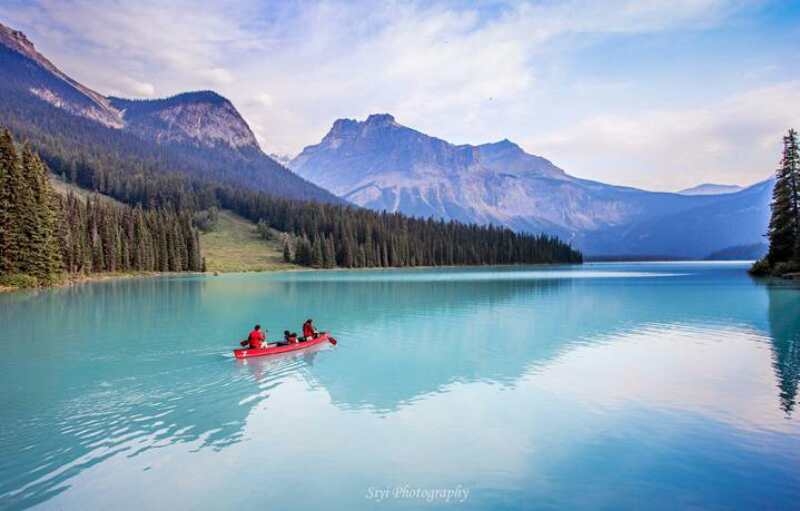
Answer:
(255, 339)
(309, 332)
(289, 337)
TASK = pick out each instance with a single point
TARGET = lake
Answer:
(602, 386)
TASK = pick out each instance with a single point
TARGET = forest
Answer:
(46, 237)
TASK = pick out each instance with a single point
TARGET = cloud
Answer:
(264, 99)
(465, 72)
(129, 87)
(216, 75)
(724, 142)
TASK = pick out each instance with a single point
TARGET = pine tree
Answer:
(329, 252)
(793, 162)
(9, 233)
(785, 220)
(287, 252)
(317, 254)
(28, 217)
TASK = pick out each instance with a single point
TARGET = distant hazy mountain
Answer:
(199, 133)
(711, 189)
(726, 220)
(740, 253)
(383, 165)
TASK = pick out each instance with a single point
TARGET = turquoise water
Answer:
(606, 386)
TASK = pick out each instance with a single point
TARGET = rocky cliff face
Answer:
(383, 165)
(202, 118)
(23, 67)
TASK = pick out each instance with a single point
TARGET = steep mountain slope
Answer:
(383, 165)
(26, 71)
(711, 189)
(198, 133)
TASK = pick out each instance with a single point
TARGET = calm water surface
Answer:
(606, 386)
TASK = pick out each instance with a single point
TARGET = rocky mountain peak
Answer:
(344, 126)
(202, 118)
(504, 146)
(18, 41)
(380, 120)
(30, 70)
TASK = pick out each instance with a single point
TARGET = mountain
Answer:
(727, 220)
(27, 70)
(752, 252)
(383, 165)
(203, 118)
(711, 189)
(195, 133)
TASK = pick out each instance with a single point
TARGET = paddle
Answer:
(332, 340)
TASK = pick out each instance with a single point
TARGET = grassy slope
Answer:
(63, 188)
(234, 245)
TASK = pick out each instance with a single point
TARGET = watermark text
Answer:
(457, 494)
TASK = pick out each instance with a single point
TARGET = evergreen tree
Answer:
(329, 254)
(29, 217)
(287, 252)
(785, 219)
(317, 254)
(9, 180)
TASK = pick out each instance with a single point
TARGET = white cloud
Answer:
(736, 140)
(129, 87)
(216, 75)
(264, 99)
(468, 73)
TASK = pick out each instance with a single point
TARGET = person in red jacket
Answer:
(256, 338)
(309, 332)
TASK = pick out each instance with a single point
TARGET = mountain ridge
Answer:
(380, 164)
(198, 133)
(711, 189)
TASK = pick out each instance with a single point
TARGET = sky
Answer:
(660, 95)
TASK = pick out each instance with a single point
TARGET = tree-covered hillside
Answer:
(44, 235)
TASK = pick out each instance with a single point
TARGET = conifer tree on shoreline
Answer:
(784, 224)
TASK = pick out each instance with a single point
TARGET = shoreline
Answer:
(73, 280)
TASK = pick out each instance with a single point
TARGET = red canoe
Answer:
(273, 349)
